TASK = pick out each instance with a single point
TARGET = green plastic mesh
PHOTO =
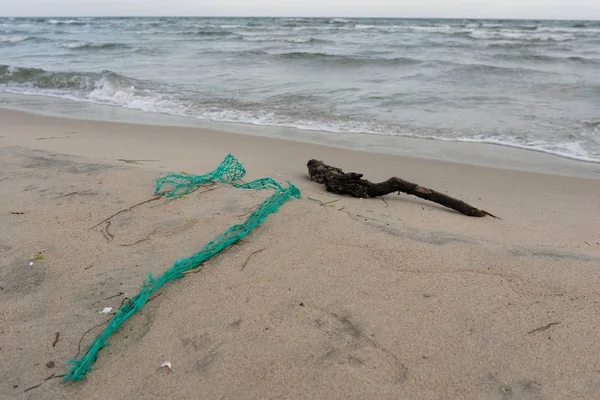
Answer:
(229, 171)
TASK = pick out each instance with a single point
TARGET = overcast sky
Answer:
(543, 9)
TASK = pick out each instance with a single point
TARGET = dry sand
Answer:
(404, 300)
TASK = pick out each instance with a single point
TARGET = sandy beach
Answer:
(357, 299)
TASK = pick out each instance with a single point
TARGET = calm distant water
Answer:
(530, 84)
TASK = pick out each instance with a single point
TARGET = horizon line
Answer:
(285, 16)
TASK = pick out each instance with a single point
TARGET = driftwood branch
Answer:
(351, 183)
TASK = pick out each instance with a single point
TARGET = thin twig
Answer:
(45, 380)
(341, 208)
(201, 266)
(56, 339)
(543, 328)
(52, 137)
(17, 212)
(249, 211)
(33, 387)
(141, 240)
(194, 270)
(116, 295)
(91, 265)
(86, 332)
(330, 202)
(587, 243)
(3, 179)
(133, 161)
(250, 256)
(105, 235)
(68, 194)
(208, 190)
(321, 203)
(152, 298)
(125, 210)
(107, 231)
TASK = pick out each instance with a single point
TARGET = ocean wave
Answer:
(528, 27)
(294, 22)
(298, 19)
(16, 39)
(94, 46)
(339, 28)
(309, 41)
(299, 40)
(569, 29)
(212, 34)
(444, 29)
(237, 55)
(593, 124)
(487, 69)
(338, 21)
(495, 32)
(67, 22)
(521, 36)
(110, 88)
(344, 59)
(106, 87)
(513, 44)
(541, 58)
(75, 82)
(570, 150)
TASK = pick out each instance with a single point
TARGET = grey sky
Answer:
(543, 9)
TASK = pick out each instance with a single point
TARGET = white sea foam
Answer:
(107, 93)
(339, 21)
(66, 22)
(13, 39)
(520, 35)
(75, 45)
(572, 150)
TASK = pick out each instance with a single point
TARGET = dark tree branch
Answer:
(351, 183)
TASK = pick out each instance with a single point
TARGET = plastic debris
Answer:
(106, 310)
(30, 263)
(230, 171)
(166, 364)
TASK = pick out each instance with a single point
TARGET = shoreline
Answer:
(462, 152)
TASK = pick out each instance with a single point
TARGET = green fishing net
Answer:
(229, 171)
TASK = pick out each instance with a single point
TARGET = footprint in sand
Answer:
(347, 346)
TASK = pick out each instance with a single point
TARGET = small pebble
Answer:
(50, 364)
